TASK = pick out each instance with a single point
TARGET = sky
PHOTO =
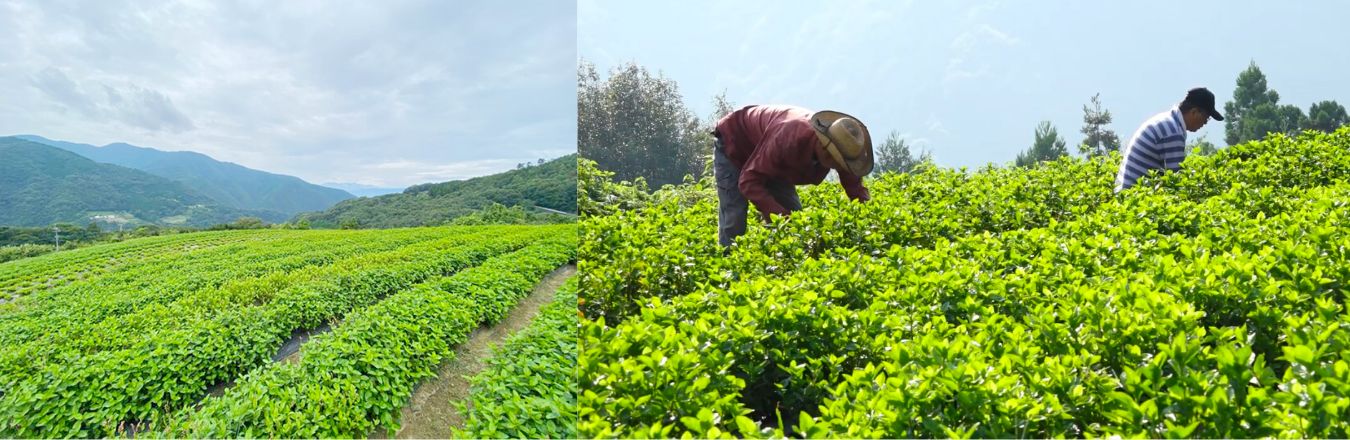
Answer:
(382, 93)
(969, 81)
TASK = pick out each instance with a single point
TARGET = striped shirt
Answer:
(1158, 144)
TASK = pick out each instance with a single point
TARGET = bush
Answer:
(1207, 302)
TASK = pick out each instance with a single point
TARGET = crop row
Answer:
(670, 249)
(114, 320)
(529, 388)
(970, 339)
(1208, 302)
(134, 288)
(357, 378)
(91, 394)
(29, 275)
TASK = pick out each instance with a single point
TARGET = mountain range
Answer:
(551, 185)
(229, 184)
(44, 181)
(362, 190)
(41, 184)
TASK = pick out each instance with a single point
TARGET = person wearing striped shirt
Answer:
(1160, 144)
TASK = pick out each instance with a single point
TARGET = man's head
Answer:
(846, 140)
(1197, 108)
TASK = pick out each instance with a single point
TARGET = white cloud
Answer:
(982, 8)
(958, 70)
(423, 172)
(135, 106)
(999, 36)
(935, 125)
(297, 87)
(61, 89)
(964, 61)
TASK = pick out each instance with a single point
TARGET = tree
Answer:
(895, 156)
(146, 230)
(597, 194)
(636, 125)
(1101, 140)
(349, 223)
(721, 107)
(1047, 146)
(247, 223)
(1201, 146)
(704, 138)
(494, 214)
(1327, 116)
(1255, 110)
(1290, 120)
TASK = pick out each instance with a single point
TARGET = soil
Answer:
(432, 412)
(290, 351)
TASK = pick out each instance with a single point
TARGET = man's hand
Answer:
(768, 217)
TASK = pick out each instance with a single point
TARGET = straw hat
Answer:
(846, 139)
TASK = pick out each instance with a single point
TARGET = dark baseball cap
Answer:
(1203, 99)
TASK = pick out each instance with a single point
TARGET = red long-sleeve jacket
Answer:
(776, 142)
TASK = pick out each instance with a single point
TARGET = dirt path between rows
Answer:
(432, 413)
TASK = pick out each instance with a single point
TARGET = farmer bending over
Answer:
(762, 152)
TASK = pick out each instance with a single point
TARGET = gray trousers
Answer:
(731, 204)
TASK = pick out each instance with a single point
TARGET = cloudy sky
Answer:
(970, 80)
(385, 93)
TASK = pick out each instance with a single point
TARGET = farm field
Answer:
(182, 335)
(528, 389)
(1022, 302)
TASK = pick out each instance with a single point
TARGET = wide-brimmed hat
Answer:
(846, 139)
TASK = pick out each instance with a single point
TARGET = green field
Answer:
(129, 337)
(529, 388)
(1023, 302)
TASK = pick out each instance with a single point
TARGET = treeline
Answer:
(25, 242)
(22, 241)
(66, 232)
(636, 126)
(552, 185)
(498, 214)
(1253, 113)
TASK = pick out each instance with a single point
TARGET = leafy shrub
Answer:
(1208, 302)
(528, 389)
